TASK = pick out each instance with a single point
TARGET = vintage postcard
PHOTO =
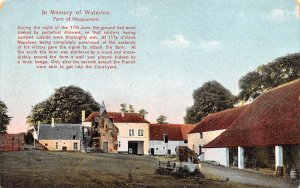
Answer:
(98, 93)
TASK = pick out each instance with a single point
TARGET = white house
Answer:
(207, 130)
(164, 138)
(60, 137)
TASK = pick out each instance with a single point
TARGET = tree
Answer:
(131, 109)
(123, 107)
(143, 112)
(209, 98)
(4, 118)
(66, 104)
(281, 70)
(29, 137)
(161, 119)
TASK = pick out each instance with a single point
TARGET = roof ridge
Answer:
(280, 86)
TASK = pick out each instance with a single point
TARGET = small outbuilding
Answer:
(165, 138)
(60, 137)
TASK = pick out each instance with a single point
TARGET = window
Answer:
(119, 144)
(164, 148)
(56, 145)
(201, 135)
(156, 148)
(74, 137)
(141, 132)
(75, 146)
(131, 132)
(193, 146)
(185, 141)
(46, 144)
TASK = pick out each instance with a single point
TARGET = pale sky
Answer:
(181, 45)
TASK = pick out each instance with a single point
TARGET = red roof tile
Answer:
(272, 119)
(127, 118)
(118, 118)
(219, 120)
(92, 117)
(174, 131)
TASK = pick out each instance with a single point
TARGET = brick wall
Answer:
(11, 142)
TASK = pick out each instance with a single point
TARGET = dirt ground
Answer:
(35, 168)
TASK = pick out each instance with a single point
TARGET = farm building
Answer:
(267, 133)
(11, 142)
(208, 129)
(118, 132)
(165, 138)
(60, 137)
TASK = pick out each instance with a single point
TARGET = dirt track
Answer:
(247, 177)
(34, 168)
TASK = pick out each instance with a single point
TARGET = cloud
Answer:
(280, 15)
(176, 41)
(210, 45)
(140, 10)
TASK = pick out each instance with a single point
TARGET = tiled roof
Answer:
(272, 119)
(174, 131)
(118, 118)
(218, 121)
(126, 117)
(92, 117)
(59, 132)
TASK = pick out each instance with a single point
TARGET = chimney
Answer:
(38, 131)
(52, 122)
(82, 116)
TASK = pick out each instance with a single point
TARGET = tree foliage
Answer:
(209, 98)
(143, 112)
(161, 119)
(131, 109)
(123, 107)
(29, 137)
(280, 71)
(4, 118)
(66, 104)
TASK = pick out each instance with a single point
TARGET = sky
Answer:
(180, 45)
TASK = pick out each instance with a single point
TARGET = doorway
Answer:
(152, 151)
(105, 147)
(133, 148)
(64, 148)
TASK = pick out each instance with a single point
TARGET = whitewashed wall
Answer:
(194, 139)
(161, 148)
(124, 137)
(220, 155)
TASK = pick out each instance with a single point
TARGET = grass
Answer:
(35, 168)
